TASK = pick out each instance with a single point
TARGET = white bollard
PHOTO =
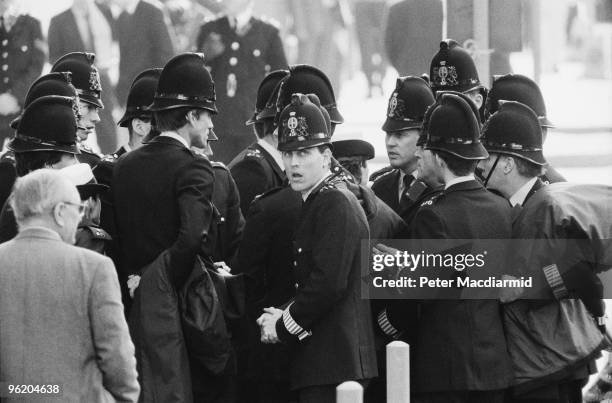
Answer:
(398, 372)
(349, 392)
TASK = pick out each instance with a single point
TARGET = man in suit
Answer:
(399, 186)
(76, 338)
(23, 54)
(162, 191)
(516, 87)
(143, 33)
(461, 353)
(259, 167)
(240, 50)
(87, 26)
(414, 27)
(327, 315)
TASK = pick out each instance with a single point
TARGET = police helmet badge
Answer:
(445, 75)
(76, 110)
(94, 80)
(392, 105)
(298, 127)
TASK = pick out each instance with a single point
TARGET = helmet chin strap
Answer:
(486, 181)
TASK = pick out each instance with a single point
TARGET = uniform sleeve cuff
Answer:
(555, 281)
(385, 325)
(290, 326)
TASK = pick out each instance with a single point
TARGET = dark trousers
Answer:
(563, 392)
(489, 396)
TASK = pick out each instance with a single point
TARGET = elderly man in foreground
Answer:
(60, 305)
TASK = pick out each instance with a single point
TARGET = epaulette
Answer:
(271, 21)
(381, 172)
(109, 158)
(268, 193)
(8, 156)
(88, 150)
(98, 233)
(432, 199)
(253, 153)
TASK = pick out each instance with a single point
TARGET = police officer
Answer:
(86, 79)
(461, 353)
(46, 138)
(137, 118)
(516, 87)
(22, 56)
(326, 250)
(398, 186)
(240, 50)
(259, 167)
(453, 69)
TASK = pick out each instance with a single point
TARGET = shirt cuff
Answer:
(555, 281)
(385, 325)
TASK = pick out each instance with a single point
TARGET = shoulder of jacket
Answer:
(98, 233)
(267, 194)
(271, 22)
(154, 4)
(432, 199)
(219, 165)
(382, 173)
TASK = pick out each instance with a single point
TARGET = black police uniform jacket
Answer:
(230, 221)
(386, 187)
(162, 196)
(255, 172)
(461, 344)
(22, 56)
(237, 72)
(328, 299)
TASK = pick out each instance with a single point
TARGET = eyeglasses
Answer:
(80, 206)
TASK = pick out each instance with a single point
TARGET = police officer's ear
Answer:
(327, 157)
(509, 165)
(141, 127)
(192, 116)
(476, 96)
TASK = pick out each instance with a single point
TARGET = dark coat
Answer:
(162, 196)
(237, 72)
(255, 172)
(328, 299)
(93, 237)
(461, 344)
(22, 56)
(144, 43)
(8, 175)
(552, 176)
(230, 221)
(8, 224)
(265, 256)
(386, 187)
(413, 34)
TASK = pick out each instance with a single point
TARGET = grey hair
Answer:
(37, 192)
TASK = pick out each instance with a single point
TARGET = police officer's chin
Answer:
(83, 133)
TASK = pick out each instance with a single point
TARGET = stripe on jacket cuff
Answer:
(385, 325)
(292, 326)
(553, 277)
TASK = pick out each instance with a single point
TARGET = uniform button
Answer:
(4, 55)
(295, 263)
(6, 79)
(24, 48)
(222, 219)
(257, 53)
(299, 250)
(4, 42)
(233, 61)
(235, 46)
(296, 286)
(4, 67)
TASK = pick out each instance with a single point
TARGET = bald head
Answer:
(46, 198)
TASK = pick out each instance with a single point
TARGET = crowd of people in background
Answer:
(216, 256)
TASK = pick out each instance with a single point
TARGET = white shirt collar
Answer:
(132, 6)
(242, 19)
(520, 195)
(305, 195)
(276, 155)
(175, 135)
(459, 179)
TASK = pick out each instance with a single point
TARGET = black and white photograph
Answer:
(306, 201)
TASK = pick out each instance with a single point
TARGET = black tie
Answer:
(405, 201)
(2, 28)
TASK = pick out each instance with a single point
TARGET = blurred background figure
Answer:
(87, 26)
(323, 40)
(412, 34)
(143, 33)
(369, 21)
(22, 56)
(240, 50)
